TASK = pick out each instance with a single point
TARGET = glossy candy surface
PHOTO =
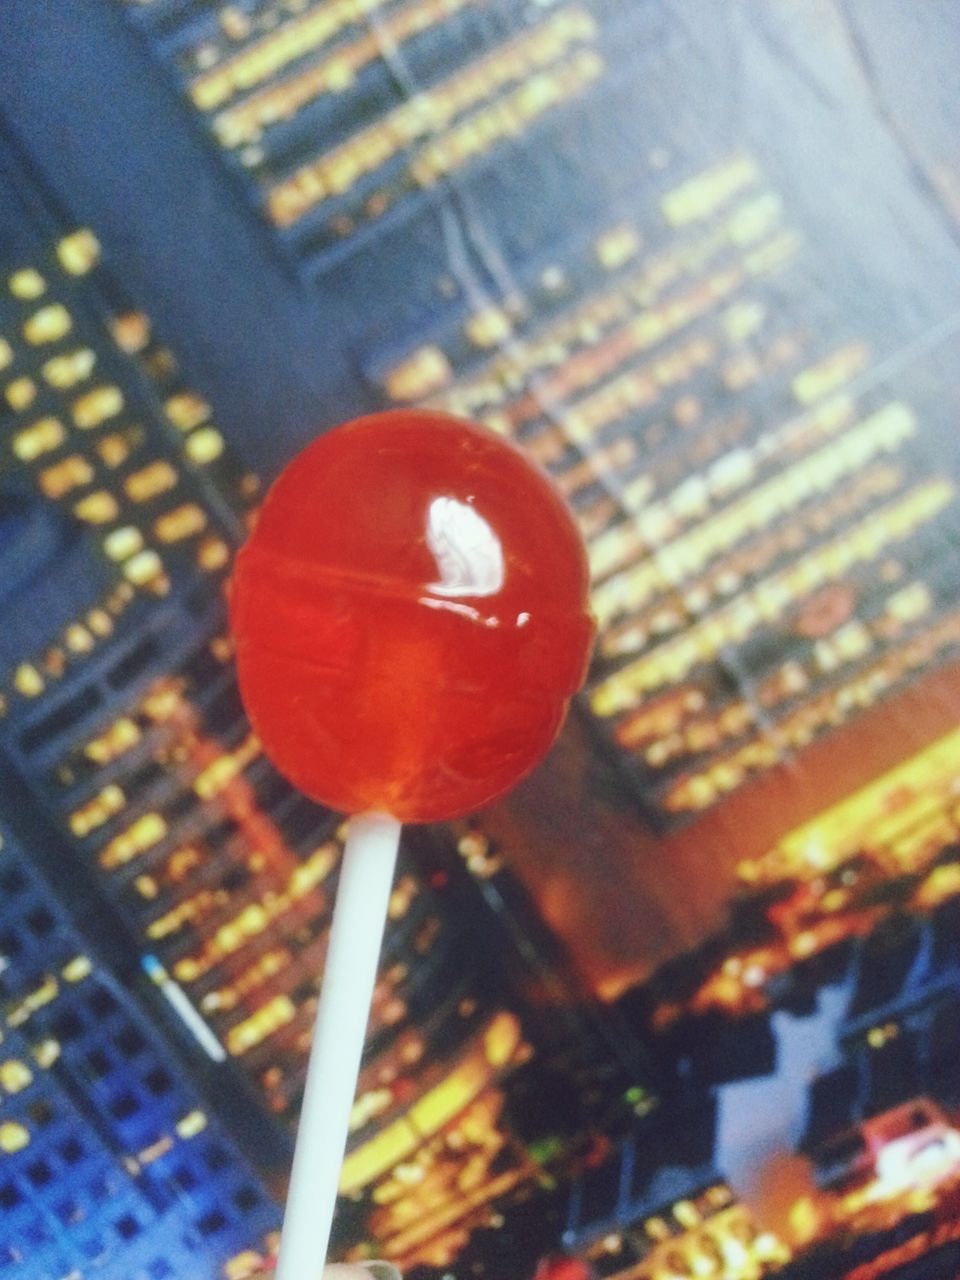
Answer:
(410, 617)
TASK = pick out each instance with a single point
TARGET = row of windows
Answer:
(710, 543)
(53, 1162)
(83, 451)
(431, 115)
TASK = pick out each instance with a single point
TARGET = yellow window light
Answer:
(28, 680)
(213, 554)
(97, 508)
(96, 406)
(99, 622)
(77, 969)
(146, 483)
(141, 835)
(193, 1123)
(122, 543)
(131, 331)
(616, 247)
(39, 438)
(117, 447)
(6, 353)
(425, 371)
(15, 1076)
(77, 638)
(78, 252)
(110, 744)
(143, 568)
(48, 324)
(96, 811)
(187, 410)
(27, 283)
(489, 327)
(13, 1137)
(21, 393)
(182, 522)
(242, 1265)
(56, 481)
(204, 445)
(46, 1053)
(269, 1018)
(704, 194)
(69, 369)
(40, 996)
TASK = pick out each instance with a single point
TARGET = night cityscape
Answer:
(687, 1002)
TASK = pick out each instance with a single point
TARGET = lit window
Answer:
(121, 735)
(269, 1018)
(40, 438)
(55, 662)
(6, 353)
(122, 543)
(117, 447)
(131, 331)
(48, 324)
(156, 478)
(192, 1124)
(212, 554)
(97, 406)
(97, 508)
(617, 246)
(28, 680)
(502, 1039)
(15, 1076)
(141, 835)
(77, 969)
(97, 811)
(78, 638)
(204, 445)
(78, 252)
(59, 479)
(69, 369)
(425, 371)
(46, 1053)
(20, 393)
(187, 410)
(98, 620)
(181, 523)
(489, 327)
(702, 195)
(144, 568)
(13, 1137)
(27, 284)
(686, 1213)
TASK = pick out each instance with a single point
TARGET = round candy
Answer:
(410, 617)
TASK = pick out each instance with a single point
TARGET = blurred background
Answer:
(687, 1004)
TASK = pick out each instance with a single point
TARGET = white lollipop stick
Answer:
(356, 933)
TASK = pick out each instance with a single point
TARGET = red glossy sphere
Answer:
(410, 617)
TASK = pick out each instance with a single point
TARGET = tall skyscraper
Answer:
(224, 226)
(107, 1149)
(122, 726)
(645, 311)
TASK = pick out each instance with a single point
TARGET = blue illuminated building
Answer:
(109, 1159)
(227, 225)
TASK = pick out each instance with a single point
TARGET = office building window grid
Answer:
(104, 1149)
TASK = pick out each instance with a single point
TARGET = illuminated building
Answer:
(122, 723)
(107, 1151)
(698, 1229)
(689, 326)
(661, 325)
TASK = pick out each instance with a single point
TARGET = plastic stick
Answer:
(356, 933)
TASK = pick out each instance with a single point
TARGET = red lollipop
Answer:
(410, 620)
(410, 616)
